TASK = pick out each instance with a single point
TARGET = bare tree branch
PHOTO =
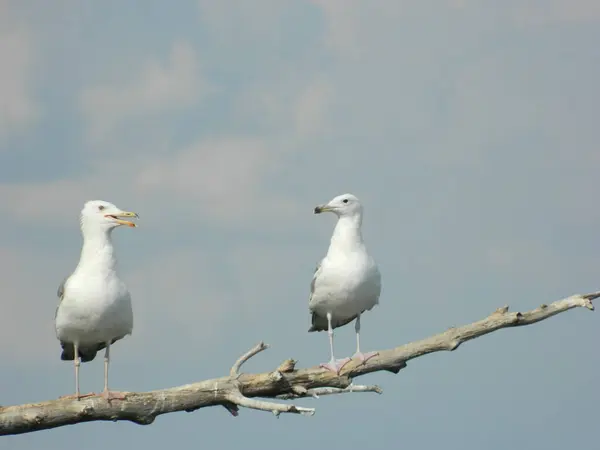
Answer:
(275, 408)
(240, 390)
(235, 369)
(299, 391)
(238, 399)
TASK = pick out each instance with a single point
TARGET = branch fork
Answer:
(238, 399)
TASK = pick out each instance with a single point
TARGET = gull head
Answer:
(342, 205)
(101, 215)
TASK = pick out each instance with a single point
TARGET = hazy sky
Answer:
(469, 129)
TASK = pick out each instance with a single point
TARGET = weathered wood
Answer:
(285, 382)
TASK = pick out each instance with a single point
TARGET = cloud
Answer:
(156, 88)
(312, 107)
(536, 13)
(28, 295)
(294, 105)
(238, 20)
(344, 19)
(212, 180)
(459, 4)
(221, 177)
(209, 170)
(37, 201)
(180, 290)
(58, 202)
(18, 107)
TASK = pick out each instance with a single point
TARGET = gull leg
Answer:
(76, 364)
(107, 394)
(363, 357)
(333, 365)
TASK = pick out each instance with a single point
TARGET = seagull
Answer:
(94, 309)
(346, 282)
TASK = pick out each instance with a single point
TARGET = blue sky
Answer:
(467, 128)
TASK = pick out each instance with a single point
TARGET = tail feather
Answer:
(87, 353)
(319, 323)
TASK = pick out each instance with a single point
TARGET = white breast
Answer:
(95, 308)
(346, 287)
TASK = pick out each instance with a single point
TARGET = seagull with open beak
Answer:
(94, 309)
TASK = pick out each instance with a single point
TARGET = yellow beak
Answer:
(115, 217)
(322, 208)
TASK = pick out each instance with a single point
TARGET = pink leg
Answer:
(360, 355)
(76, 364)
(107, 394)
(333, 365)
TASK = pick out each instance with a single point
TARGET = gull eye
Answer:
(345, 200)
(100, 208)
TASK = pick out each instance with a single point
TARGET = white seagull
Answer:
(347, 281)
(94, 309)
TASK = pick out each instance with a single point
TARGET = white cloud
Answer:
(353, 25)
(221, 177)
(28, 295)
(58, 202)
(312, 107)
(239, 20)
(343, 26)
(209, 169)
(459, 4)
(18, 108)
(154, 89)
(178, 291)
(556, 11)
(35, 201)
(295, 105)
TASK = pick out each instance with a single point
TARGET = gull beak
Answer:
(322, 208)
(116, 218)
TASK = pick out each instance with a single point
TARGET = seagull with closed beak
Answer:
(94, 309)
(347, 282)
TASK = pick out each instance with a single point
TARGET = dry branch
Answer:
(240, 390)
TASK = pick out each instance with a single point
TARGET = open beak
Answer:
(117, 218)
(322, 208)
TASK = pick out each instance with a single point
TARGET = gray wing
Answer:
(319, 323)
(61, 288)
(61, 293)
(314, 279)
(315, 320)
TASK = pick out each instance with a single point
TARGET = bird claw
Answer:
(113, 395)
(364, 357)
(335, 365)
